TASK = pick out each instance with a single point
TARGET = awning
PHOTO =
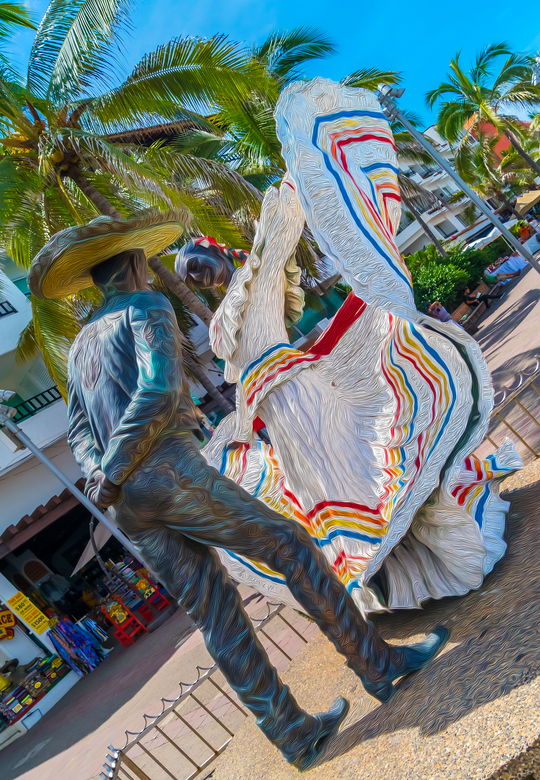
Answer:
(493, 234)
(527, 201)
(43, 516)
(101, 537)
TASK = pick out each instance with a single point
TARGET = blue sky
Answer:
(417, 38)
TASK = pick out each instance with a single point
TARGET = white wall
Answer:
(44, 428)
(31, 484)
(20, 647)
(11, 325)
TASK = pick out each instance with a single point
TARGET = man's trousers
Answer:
(175, 508)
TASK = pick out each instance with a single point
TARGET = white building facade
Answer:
(446, 221)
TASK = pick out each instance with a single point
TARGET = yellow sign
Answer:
(7, 619)
(30, 614)
(7, 624)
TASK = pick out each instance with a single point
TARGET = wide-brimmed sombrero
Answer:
(63, 266)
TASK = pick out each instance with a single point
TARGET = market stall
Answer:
(19, 696)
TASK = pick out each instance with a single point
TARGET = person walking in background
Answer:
(476, 300)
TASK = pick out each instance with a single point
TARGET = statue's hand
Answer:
(101, 491)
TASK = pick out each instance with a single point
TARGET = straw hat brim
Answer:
(63, 266)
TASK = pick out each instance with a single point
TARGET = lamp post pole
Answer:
(386, 94)
(5, 421)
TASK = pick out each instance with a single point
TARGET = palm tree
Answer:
(62, 162)
(513, 173)
(413, 204)
(248, 126)
(483, 96)
(481, 170)
(243, 134)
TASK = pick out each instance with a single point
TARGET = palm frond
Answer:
(185, 73)
(204, 175)
(73, 47)
(13, 118)
(252, 126)
(517, 68)
(485, 59)
(283, 54)
(27, 347)
(453, 118)
(522, 95)
(422, 198)
(370, 78)
(445, 88)
(55, 329)
(14, 15)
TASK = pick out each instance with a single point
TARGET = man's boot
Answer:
(401, 660)
(300, 737)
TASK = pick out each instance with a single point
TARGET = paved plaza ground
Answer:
(70, 742)
(472, 714)
(509, 333)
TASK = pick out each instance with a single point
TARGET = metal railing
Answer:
(35, 404)
(7, 308)
(206, 727)
(522, 419)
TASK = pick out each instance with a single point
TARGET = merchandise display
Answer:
(44, 675)
(77, 647)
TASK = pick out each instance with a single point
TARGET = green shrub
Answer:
(342, 289)
(436, 282)
(445, 278)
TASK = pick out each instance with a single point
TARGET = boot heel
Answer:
(382, 691)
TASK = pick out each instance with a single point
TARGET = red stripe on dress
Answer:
(352, 308)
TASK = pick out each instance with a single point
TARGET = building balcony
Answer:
(43, 419)
(35, 404)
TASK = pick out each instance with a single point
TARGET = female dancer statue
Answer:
(373, 428)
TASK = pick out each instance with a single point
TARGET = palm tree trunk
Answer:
(172, 281)
(99, 201)
(425, 227)
(182, 291)
(511, 208)
(521, 151)
(200, 375)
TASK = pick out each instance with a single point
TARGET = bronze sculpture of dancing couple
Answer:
(131, 428)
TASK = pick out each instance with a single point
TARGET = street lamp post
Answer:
(535, 80)
(6, 413)
(386, 94)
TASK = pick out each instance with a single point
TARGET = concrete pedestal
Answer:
(473, 714)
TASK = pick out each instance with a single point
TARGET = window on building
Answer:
(446, 228)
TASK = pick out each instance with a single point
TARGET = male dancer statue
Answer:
(131, 424)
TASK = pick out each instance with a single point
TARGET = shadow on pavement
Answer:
(498, 641)
(518, 311)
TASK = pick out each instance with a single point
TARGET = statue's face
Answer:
(204, 267)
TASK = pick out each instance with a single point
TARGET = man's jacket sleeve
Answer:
(80, 437)
(159, 387)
